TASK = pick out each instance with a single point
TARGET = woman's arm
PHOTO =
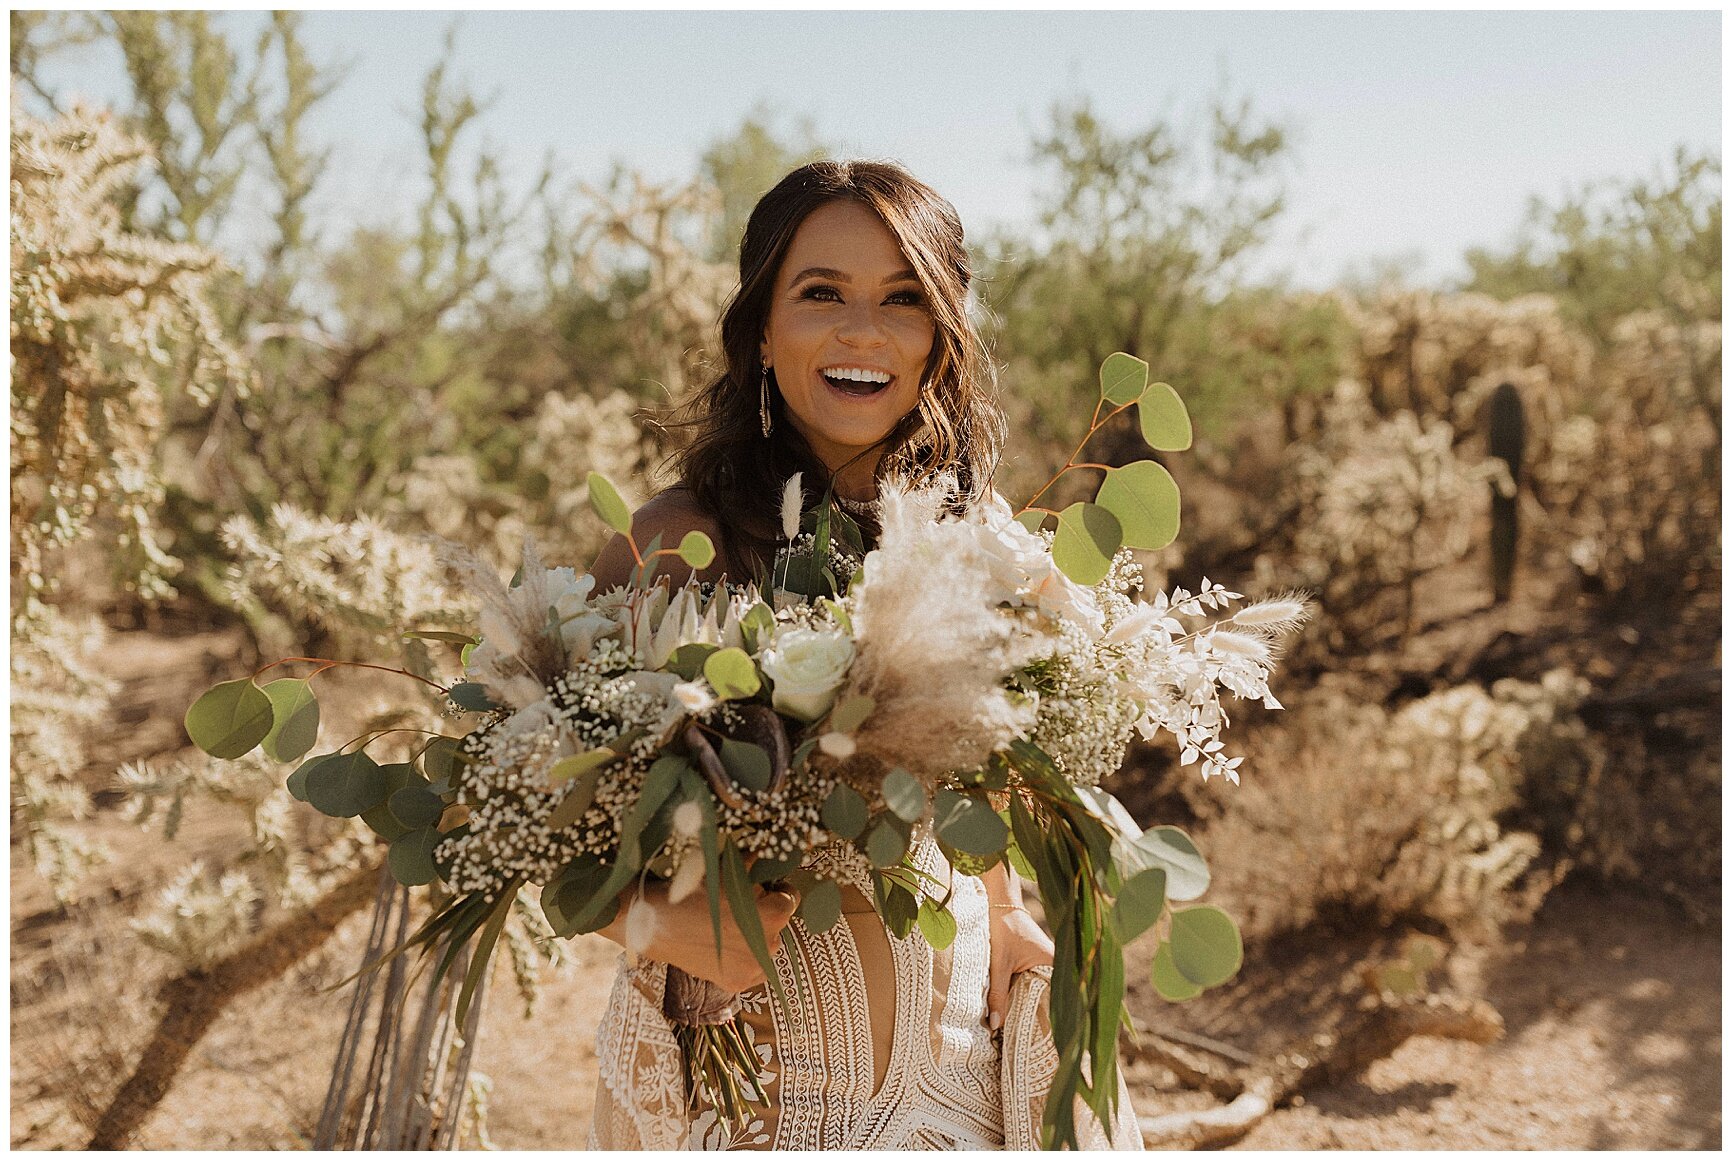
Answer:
(1018, 943)
(680, 934)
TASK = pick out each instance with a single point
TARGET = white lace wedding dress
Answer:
(884, 1044)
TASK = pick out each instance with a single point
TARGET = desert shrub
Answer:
(1366, 813)
(59, 699)
(546, 496)
(1442, 355)
(1368, 506)
(1631, 488)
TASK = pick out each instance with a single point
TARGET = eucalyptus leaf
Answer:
(346, 786)
(850, 712)
(904, 795)
(844, 812)
(605, 499)
(1140, 903)
(885, 845)
(383, 823)
(297, 782)
(1162, 416)
(565, 897)
(731, 674)
(1164, 974)
(1032, 519)
(773, 870)
(439, 758)
(1144, 498)
(1172, 850)
(415, 806)
(937, 924)
(411, 857)
(821, 906)
(758, 623)
(968, 823)
(397, 775)
(746, 763)
(964, 863)
(1206, 946)
(697, 550)
(1124, 378)
(472, 696)
(898, 907)
(688, 660)
(463, 639)
(1083, 547)
(229, 719)
(295, 719)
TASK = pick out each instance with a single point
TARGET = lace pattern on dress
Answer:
(947, 1082)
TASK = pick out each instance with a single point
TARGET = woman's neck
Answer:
(858, 479)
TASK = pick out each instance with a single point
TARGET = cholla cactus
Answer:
(59, 699)
(1442, 355)
(1631, 486)
(357, 579)
(449, 495)
(1385, 500)
(105, 323)
(200, 920)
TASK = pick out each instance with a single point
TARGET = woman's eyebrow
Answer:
(837, 276)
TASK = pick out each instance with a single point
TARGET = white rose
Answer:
(808, 667)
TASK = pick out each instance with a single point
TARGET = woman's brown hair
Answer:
(733, 472)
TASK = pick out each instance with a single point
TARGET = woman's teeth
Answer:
(856, 381)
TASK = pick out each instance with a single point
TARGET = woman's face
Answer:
(848, 333)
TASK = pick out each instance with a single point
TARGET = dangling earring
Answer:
(764, 400)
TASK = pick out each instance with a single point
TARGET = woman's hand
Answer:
(1017, 941)
(680, 934)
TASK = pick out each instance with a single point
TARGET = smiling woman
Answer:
(850, 356)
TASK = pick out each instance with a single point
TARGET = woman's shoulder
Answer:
(673, 510)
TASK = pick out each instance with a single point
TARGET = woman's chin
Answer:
(846, 435)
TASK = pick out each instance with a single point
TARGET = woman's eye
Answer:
(907, 298)
(815, 291)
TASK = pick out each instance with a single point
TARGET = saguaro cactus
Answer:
(1507, 437)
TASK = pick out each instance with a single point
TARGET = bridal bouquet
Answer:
(972, 677)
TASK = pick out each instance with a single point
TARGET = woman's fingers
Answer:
(998, 994)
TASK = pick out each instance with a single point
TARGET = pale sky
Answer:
(1416, 133)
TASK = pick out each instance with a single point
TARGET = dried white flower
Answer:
(694, 697)
(837, 744)
(688, 877)
(688, 819)
(791, 507)
(641, 925)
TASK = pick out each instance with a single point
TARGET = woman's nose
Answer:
(862, 326)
